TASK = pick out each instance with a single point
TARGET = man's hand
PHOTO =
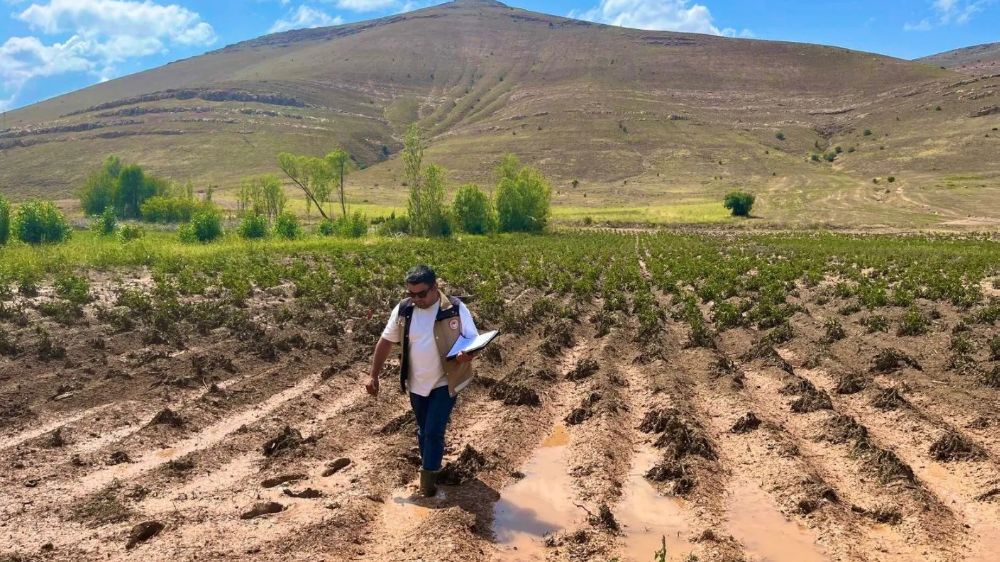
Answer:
(372, 385)
(464, 357)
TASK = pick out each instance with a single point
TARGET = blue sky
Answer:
(49, 47)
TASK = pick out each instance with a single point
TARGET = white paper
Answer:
(463, 343)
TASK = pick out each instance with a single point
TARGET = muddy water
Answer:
(766, 534)
(647, 518)
(538, 504)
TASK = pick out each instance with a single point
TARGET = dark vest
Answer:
(406, 307)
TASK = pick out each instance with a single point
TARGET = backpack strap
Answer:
(406, 313)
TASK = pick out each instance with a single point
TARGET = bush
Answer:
(129, 232)
(868, 132)
(205, 226)
(4, 220)
(830, 156)
(327, 227)
(253, 226)
(913, 323)
(523, 197)
(779, 135)
(473, 210)
(393, 225)
(429, 216)
(40, 222)
(739, 203)
(287, 226)
(891, 179)
(165, 210)
(106, 224)
(352, 226)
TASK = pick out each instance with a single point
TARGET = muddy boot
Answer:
(428, 482)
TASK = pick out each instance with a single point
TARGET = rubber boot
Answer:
(428, 482)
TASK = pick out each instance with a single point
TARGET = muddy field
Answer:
(152, 423)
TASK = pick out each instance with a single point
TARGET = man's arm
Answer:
(382, 350)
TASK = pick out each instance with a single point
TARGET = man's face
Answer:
(422, 294)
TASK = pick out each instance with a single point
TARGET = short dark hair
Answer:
(421, 274)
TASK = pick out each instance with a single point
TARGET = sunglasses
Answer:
(418, 294)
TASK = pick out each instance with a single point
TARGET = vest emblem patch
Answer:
(453, 324)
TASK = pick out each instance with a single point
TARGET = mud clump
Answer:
(677, 473)
(851, 383)
(514, 394)
(584, 411)
(991, 378)
(749, 422)
(842, 428)
(583, 369)
(889, 399)
(55, 439)
(464, 468)
(881, 514)
(765, 352)
(264, 508)
(167, 417)
(678, 437)
(283, 479)
(287, 440)
(885, 464)
(952, 446)
(142, 533)
(989, 496)
(399, 423)
(604, 519)
(307, 494)
(118, 457)
(180, 465)
(891, 360)
(812, 401)
(557, 338)
(333, 467)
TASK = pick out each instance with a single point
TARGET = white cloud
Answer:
(662, 15)
(948, 12)
(102, 34)
(366, 5)
(305, 17)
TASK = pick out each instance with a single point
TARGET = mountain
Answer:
(978, 60)
(664, 123)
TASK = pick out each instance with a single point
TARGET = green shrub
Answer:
(995, 348)
(253, 226)
(393, 225)
(327, 227)
(523, 197)
(40, 222)
(473, 210)
(287, 226)
(129, 232)
(779, 135)
(205, 226)
(830, 156)
(891, 179)
(868, 132)
(106, 223)
(913, 323)
(814, 157)
(74, 288)
(876, 323)
(4, 221)
(354, 225)
(166, 210)
(739, 203)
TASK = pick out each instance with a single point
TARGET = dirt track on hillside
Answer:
(238, 452)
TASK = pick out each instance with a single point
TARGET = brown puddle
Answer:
(647, 518)
(766, 534)
(538, 504)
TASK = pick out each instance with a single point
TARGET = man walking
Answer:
(427, 323)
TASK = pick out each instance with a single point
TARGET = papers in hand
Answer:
(469, 345)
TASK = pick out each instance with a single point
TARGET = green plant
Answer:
(74, 288)
(995, 348)
(163, 209)
(287, 226)
(779, 135)
(393, 225)
(473, 210)
(205, 226)
(913, 323)
(876, 323)
(429, 216)
(739, 203)
(40, 222)
(354, 225)
(253, 226)
(523, 197)
(868, 132)
(327, 227)
(4, 220)
(891, 179)
(129, 232)
(106, 223)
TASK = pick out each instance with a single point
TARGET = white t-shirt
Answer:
(426, 372)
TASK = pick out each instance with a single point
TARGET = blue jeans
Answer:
(432, 412)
